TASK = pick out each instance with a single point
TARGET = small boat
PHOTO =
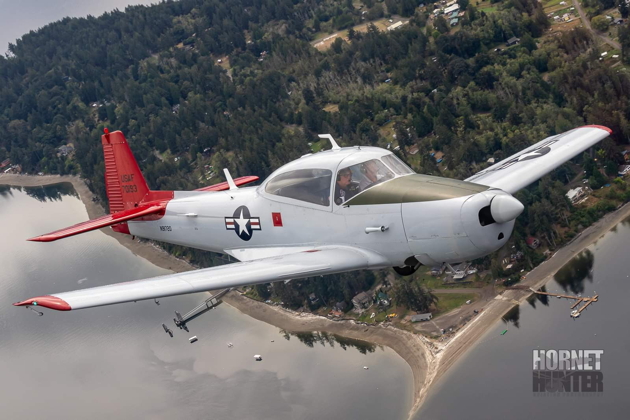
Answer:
(575, 313)
(365, 367)
(504, 331)
(257, 357)
(193, 339)
(230, 345)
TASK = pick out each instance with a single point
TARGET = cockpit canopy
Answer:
(310, 179)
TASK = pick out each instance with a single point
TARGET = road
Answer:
(587, 25)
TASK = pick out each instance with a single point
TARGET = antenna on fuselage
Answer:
(230, 181)
(335, 146)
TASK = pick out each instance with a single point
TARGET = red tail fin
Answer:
(126, 187)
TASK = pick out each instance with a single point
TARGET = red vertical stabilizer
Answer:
(126, 187)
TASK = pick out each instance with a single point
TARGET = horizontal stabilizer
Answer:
(223, 186)
(101, 222)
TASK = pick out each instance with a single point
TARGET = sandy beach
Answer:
(427, 359)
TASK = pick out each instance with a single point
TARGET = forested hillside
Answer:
(154, 73)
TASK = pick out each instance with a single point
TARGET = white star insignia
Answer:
(242, 224)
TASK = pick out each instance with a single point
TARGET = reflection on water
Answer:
(512, 316)
(544, 299)
(76, 363)
(572, 275)
(52, 192)
(323, 338)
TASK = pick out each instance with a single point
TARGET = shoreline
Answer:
(427, 359)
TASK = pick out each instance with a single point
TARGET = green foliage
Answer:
(413, 296)
(441, 25)
(600, 23)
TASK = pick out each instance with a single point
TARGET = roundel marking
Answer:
(242, 223)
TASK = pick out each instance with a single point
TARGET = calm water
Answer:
(494, 379)
(116, 361)
(19, 17)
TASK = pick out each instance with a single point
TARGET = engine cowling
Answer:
(489, 218)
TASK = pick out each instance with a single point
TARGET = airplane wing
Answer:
(315, 262)
(531, 164)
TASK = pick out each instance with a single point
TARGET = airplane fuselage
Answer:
(249, 224)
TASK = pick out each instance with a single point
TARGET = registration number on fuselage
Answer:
(166, 229)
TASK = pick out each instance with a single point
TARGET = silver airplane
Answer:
(343, 209)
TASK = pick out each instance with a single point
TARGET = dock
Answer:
(578, 300)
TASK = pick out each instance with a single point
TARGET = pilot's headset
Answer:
(344, 170)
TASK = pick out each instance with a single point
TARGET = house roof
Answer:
(362, 297)
(530, 240)
(451, 8)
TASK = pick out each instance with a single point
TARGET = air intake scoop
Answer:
(505, 208)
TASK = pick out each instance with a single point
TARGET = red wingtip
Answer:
(50, 302)
(601, 127)
(42, 238)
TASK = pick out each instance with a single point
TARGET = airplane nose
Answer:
(505, 208)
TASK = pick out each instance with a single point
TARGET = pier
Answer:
(578, 300)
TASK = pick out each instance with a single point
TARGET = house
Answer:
(362, 301)
(383, 299)
(623, 169)
(618, 21)
(491, 160)
(313, 299)
(438, 156)
(5, 163)
(66, 150)
(626, 155)
(575, 194)
(395, 26)
(437, 270)
(454, 21)
(513, 41)
(451, 9)
(532, 242)
(421, 317)
(341, 306)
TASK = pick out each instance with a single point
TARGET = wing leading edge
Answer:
(314, 262)
(531, 164)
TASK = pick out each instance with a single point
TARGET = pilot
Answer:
(345, 189)
(370, 169)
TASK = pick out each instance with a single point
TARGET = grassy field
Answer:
(424, 277)
(449, 301)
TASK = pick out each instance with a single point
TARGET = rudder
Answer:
(124, 182)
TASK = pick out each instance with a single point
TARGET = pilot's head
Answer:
(344, 177)
(370, 169)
